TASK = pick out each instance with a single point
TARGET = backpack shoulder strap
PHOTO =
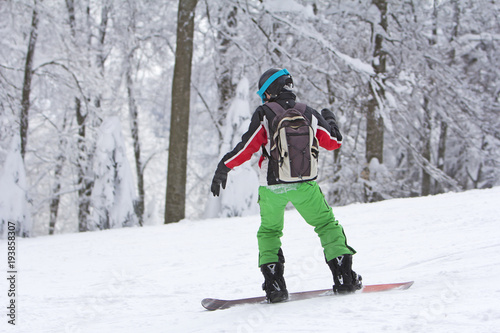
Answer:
(301, 107)
(275, 107)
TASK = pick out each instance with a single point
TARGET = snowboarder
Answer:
(269, 131)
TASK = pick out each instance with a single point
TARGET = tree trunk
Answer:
(374, 145)
(70, 5)
(441, 154)
(85, 176)
(175, 202)
(134, 127)
(84, 181)
(374, 121)
(426, 153)
(54, 202)
(426, 188)
(443, 134)
(28, 76)
(374, 132)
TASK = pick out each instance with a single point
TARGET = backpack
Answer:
(294, 147)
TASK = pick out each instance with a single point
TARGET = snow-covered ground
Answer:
(152, 279)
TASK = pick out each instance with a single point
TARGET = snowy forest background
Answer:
(86, 93)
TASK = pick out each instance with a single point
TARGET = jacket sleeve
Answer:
(251, 142)
(325, 135)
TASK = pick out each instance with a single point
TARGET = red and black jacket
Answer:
(258, 137)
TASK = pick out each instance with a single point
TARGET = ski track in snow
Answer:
(152, 279)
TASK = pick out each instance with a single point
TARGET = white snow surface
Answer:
(152, 279)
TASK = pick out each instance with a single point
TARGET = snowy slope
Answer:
(152, 279)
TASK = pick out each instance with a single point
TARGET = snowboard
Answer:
(219, 304)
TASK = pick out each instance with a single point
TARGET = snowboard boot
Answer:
(344, 278)
(274, 284)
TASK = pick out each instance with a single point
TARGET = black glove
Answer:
(332, 121)
(328, 115)
(220, 177)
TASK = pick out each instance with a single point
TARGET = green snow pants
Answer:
(310, 202)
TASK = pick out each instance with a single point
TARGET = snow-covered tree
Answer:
(14, 202)
(240, 198)
(113, 196)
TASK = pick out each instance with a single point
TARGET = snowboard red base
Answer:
(219, 304)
